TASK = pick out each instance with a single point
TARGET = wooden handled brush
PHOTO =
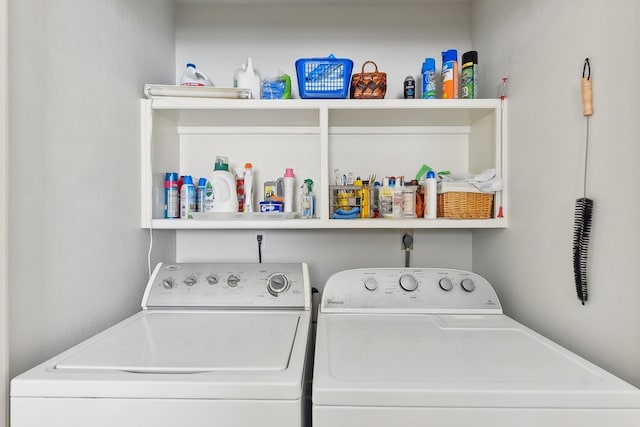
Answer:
(584, 205)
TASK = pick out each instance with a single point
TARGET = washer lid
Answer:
(453, 361)
(192, 342)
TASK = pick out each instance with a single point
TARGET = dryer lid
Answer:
(453, 361)
(192, 342)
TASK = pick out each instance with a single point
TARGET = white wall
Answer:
(219, 39)
(397, 37)
(4, 303)
(76, 253)
(541, 47)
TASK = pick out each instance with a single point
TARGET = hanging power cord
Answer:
(259, 237)
(149, 253)
(407, 245)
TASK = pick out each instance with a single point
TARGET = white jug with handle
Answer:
(248, 78)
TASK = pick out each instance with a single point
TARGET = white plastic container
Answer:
(224, 187)
(289, 179)
(248, 187)
(385, 195)
(431, 199)
(248, 78)
(194, 77)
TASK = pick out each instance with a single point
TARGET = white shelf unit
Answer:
(382, 137)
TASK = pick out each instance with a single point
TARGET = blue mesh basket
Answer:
(323, 77)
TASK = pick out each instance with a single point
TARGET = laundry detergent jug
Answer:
(194, 77)
(224, 187)
(248, 78)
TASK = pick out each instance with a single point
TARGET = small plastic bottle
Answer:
(289, 179)
(187, 198)
(409, 201)
(194, 77)
(397, 198)
(429, 78)
(248, 187)
(204, 196)
(385, 195)
(431, 198)
(450, 74)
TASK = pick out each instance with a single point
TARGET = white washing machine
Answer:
(214, 344)
(431, 347)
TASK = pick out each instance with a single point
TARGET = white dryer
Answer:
(431, 347)
(214, 344)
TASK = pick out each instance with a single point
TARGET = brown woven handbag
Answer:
(371, 85)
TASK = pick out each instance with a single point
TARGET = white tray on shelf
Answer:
(154, 90)
(249, 216)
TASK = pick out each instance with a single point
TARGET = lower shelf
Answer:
(274, 223)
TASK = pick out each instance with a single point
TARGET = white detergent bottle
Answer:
(194, 77)
(224, 187)
(248, 78)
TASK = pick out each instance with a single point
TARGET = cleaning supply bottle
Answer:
(469, 75)
(429, 78)
(204, 196)
(224, 187)
(248, 78)
(450, 74)
(289, 178)
(431, 196)
(248, 187)
(194, 77)
(385, 194)
(187, 198)
(397, 198)
(171, 195)
(307, 199)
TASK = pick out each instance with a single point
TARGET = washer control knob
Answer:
(190, 280)
(277, 284)
(408, 282)
(168, 283)
(445, 284)
(371, 284)
(468, 285)
(233, 280)
(212, 279)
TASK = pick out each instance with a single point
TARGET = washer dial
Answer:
(190, 280)
(408, 282)
(277, 284)
(445, 284)
(371, 284)
(168, 283)
(212, 279)
(233, 280)
(468, 285)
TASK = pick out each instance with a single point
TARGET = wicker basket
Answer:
(470, 204)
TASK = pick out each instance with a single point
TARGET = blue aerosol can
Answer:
(171, 195)
(429, 78)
